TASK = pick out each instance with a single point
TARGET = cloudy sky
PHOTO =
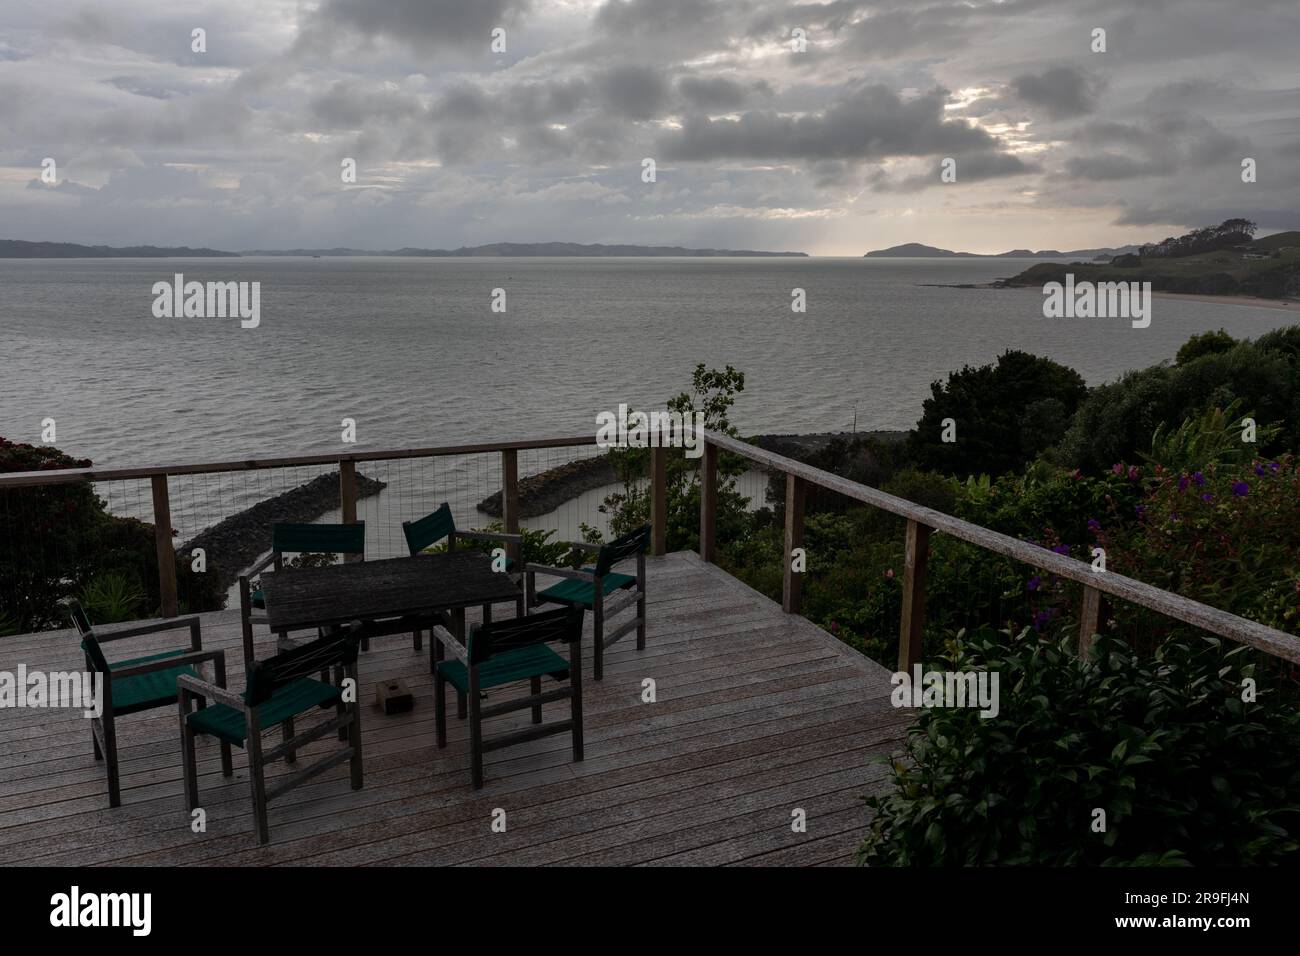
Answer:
(834, 150)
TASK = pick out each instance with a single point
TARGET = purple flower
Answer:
(1259, 469)
(1198, 478)
(1240, 489)
(1041, 619)
(1061, 548)
(1139, 510)
(1117, 468)
(1094, 525)
(1207, 497)
(1272, 466)
(1134, 473)
(1033, 584)
(1183, 482)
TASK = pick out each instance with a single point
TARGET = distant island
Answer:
(916, 250)
(20, 249)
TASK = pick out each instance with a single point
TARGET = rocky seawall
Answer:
(545, 491)
(236, 542)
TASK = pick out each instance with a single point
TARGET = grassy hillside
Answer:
(1223, 272)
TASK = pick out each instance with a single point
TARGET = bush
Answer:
(1185, 770)
(1207, 343)
(1005, 414)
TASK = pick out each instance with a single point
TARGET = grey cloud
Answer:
(636, 92)
(719, 92)
(1062, 91)
(872, 124)
(432, 22)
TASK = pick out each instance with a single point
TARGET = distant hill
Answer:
(1268, 268)
(505, 249)
(917, 250)
(21, 249)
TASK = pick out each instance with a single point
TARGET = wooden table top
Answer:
(298, 598)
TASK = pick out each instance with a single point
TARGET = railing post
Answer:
(1089, 616)
(912, 626)
(658, 500)
(162, 536)
(348, 495)
(792, 585)
(708, 499)
(510, 499)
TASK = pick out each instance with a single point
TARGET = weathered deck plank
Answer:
(757, 713)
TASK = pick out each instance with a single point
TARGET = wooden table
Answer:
(391, 596)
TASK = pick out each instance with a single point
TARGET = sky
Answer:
(817, 127)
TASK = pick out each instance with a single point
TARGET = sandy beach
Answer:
(1292, 305)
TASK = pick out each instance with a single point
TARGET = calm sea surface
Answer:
(411, 350)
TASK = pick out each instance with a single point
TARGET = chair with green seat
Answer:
(279, 689)
(292, 538)
(507, 652)
(426, 532)
(591, 587)
(140, 683)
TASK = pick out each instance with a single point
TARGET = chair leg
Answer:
(94, 739)
(461, 711)
(487, 613)
(535, 687)
(598, 645)
(354, 736)
(575, 702)
(110, 758)
(440, 709)
(189, 771)
(475, 730)
(258, 784)
(227, 764)
(419, 639)
(286, 734)
(640, 622)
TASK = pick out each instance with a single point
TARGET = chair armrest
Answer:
(448, 640)
(155, 627)
(490, 536)
(196, 657)
(260, 566)
(209, 691)
(584, 546)
(560, 572)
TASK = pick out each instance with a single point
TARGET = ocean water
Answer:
(411, 349)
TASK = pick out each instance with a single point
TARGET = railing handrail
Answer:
(20, 479)
(1186, 610)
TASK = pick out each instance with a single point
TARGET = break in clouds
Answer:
(832, 150)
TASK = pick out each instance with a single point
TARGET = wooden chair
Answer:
(289, 538)
(279, 689)
(590, 587)
(428, 531)
(140, 683)
(506, 652)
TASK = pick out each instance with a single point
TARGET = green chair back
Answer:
(429, 530)
(634, 542)
(89, 644)
(510, 634)
(267, 676)
(319, 538)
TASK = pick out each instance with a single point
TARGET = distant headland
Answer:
(916, 250)
(21, 249)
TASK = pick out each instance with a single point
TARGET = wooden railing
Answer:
(346, 462)
(923, 522)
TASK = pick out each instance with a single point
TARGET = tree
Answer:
(1003, 415)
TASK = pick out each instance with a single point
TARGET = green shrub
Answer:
(1207, 343)
(112, 597)
(1185, 770)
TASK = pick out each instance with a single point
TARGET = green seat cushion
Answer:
(147, 691)
(257, 599)
(573, 591)
(519, 664)
(225, 723)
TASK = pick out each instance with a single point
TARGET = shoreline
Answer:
(1251, 301)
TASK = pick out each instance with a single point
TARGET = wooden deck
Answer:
(757, 713)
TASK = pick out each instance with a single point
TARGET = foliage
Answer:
(1229, 233)
(713, 393)
(1214, 437)
(1207, 343)
(1118, 420)
(112, 597)
(1006, 413)
(1184, 769)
